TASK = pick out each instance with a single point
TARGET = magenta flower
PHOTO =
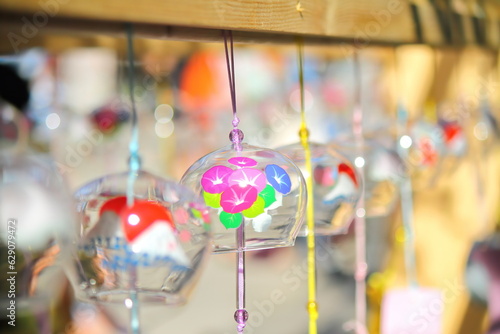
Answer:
(236, 199)
(248, 177)
(243, 162)
(215, 180)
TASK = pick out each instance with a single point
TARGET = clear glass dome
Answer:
(154, 246)
(257, 187)
(336, 185)
(383, 172)
(37, 228)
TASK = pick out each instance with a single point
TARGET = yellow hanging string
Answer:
(312, 306)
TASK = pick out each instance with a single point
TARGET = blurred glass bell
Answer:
(155, 246)
(336, 186)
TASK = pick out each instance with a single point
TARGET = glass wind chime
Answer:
(334, 188)
(382, 171)
(143, 239)
(257, 196)
(399, 305)
(431, 138)
(36, 232)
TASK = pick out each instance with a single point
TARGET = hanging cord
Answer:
(236, 136)
(312, 306)
(359, 219)
(134, 158)
(134, 166)
(406, 189)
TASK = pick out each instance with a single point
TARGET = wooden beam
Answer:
(357, 24)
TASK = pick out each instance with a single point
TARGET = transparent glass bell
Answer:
(257, 187)
(383, 172)
(35, 234)
(336, 186)
(154, 246)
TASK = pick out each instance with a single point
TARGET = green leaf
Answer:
(269, 195)
(212, 200)
(256, 209)
(230, 220)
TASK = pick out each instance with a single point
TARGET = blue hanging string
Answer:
(406, 196)
(134, 166)
(134, 158)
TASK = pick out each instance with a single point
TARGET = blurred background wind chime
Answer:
(37, 232)
(334, 189)
(399, 304)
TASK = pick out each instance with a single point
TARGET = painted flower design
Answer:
(451, 132)
(139, 217)
(230, 220)
(344, 187)
(262, 222)
(349, 171)
(215, 180)
(325, 175)
(243, 162)
(248, 177)
(428, 151)
(245, 192)
(278, 178)
(236, 199)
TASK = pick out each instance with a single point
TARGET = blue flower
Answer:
(278, 178)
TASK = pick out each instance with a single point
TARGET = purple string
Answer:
(236, 134)
(241, 315)
(230, 73)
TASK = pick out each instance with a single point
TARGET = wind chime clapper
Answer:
(256, 196)
(144, 239)
(333, 188)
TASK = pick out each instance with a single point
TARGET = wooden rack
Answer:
(357, 24)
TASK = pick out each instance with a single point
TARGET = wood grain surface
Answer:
(358, 23)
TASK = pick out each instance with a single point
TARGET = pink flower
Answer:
(248, 177)
(236, 199)
(215, 180)
(243, 162)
